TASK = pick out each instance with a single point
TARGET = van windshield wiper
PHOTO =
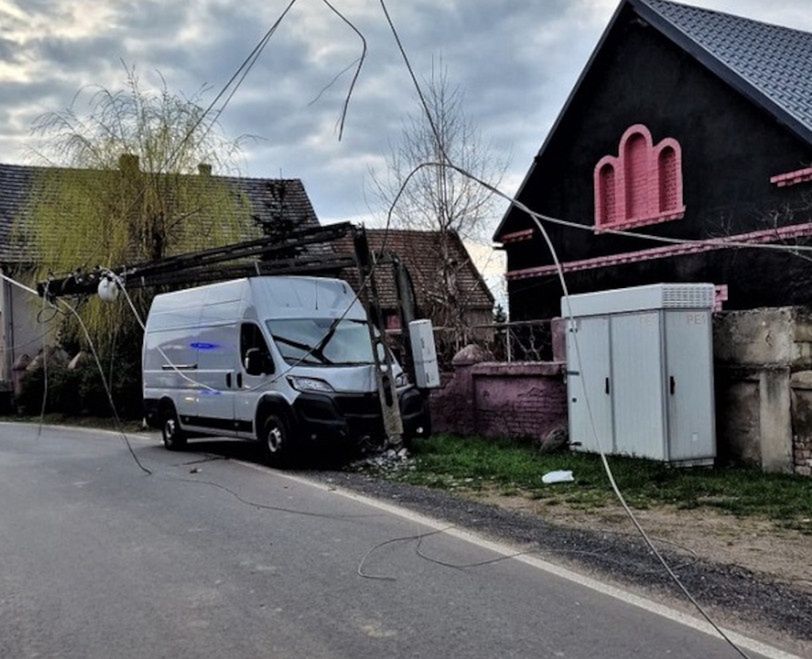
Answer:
(314, 352)
(327, 337)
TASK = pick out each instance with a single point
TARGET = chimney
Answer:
(204, 169)
(128, 163)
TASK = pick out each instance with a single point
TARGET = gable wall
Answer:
(730, 149)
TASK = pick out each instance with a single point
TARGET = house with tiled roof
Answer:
(442, 272)
(269, 202)
(690, 126)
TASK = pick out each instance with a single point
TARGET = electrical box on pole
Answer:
(424, 354)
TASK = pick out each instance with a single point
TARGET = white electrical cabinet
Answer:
(640, 372)
(424, 354)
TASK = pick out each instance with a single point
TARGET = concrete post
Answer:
(775, 420)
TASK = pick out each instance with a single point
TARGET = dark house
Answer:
(687, 124)
(270, 203)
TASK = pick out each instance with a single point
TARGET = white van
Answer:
(274, 359)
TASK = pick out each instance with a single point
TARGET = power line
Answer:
(95, 355)
(560, 271)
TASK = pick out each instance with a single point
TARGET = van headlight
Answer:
(309, 384)
(401, 380)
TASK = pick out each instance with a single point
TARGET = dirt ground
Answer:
(759, 545)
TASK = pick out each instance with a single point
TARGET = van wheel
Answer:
(173, 436)
(276, 441)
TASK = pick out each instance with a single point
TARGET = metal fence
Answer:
(526, 340)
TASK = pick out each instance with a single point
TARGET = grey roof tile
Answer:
(420, 253)
(775, 60)
(270, 200)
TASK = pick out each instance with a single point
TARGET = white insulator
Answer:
(108, 290)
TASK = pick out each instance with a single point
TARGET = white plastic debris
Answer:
(560, 476)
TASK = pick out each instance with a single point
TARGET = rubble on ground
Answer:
(389, 460)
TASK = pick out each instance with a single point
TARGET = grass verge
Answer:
(510, 468)
(55, 418)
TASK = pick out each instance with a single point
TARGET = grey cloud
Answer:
(515, 61)
(9, 51)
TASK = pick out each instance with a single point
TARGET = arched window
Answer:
(642, 184)
(670, 194)
(636, 168)
(608, 210)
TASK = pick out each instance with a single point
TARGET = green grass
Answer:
(452, 462)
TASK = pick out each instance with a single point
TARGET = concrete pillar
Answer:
(775, 420)
(558, 331)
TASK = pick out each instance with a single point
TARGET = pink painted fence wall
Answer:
(498, 399)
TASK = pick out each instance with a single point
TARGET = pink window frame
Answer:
(651, 215)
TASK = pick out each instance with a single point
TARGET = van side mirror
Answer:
(256, 362)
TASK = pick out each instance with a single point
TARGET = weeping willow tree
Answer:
(129, 180)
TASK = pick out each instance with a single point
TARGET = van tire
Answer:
(275, 441)
(173, 436)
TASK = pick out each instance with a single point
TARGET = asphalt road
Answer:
(98, 559)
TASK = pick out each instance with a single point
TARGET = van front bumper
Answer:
(356, 418)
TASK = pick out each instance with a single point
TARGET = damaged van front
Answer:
(333, 370)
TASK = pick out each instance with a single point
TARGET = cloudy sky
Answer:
(515, 61)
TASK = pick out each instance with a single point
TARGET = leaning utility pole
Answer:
(272, 256)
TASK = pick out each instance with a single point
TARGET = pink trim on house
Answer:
(695, 247)
(792, 178)
(721, 297)
(641, 185)
(517, 236)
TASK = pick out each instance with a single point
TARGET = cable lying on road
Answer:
(418, 538)
(536, 218)
(406, 538)
(265, 506)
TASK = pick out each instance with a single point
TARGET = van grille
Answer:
(359, 405)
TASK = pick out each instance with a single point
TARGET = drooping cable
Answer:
(565, 290)
(99, 366)
(107, 391)
(45, 302)
(361, 59)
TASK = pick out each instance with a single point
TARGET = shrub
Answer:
(80, 391)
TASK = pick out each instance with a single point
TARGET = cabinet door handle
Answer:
(672, 384)
(606, 385)
(228, 380)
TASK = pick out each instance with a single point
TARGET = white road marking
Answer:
(497, 547)
(506, 550)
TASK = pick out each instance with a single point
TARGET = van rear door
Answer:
(170, 353)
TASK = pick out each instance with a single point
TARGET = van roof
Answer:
(270, 297)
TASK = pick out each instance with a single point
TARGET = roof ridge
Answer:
(64, 168)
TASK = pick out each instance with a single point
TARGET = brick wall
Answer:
(499, 399)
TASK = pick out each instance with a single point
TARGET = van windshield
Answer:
(322, 341)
